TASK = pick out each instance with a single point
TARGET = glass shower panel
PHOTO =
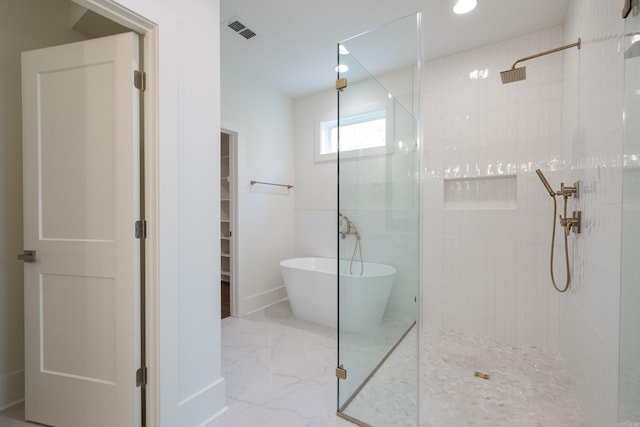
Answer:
(629, 372)
(378, 245)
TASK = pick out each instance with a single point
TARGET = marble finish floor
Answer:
(280, 372)
(14, 417)
(390, 397)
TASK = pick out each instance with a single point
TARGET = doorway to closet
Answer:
(227, 213)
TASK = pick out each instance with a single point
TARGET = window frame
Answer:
(325, 127)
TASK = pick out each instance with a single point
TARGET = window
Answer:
(364, 131)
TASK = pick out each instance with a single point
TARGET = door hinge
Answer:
(141, 376)
(341, 84)
(140, 80)
(341, 373)
(141, 229)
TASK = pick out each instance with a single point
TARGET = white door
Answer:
(81, 199)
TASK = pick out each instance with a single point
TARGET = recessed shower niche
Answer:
(489, 192)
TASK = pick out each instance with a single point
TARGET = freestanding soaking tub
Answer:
(311, 285)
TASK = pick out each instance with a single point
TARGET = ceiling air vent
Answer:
(247, 33)
(236, 25)
(240, 28)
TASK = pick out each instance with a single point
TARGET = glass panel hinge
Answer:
(341, 373)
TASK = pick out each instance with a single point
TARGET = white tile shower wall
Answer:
(629, 372)
(486, 270)
(592, 147)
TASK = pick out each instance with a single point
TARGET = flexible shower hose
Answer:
(353, 255)
(566, 246)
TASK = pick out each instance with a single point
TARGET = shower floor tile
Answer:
(527, 386)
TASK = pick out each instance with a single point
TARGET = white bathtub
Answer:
(311, 285)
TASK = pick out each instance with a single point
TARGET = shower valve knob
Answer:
(573, 223)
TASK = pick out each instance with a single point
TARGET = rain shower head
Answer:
(513, 75)
(517, 74)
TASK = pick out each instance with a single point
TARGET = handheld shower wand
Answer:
(545, 183)
(567, 223)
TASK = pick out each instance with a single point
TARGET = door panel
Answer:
(81, 199)
(76, 195)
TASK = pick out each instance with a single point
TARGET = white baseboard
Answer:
(195, 410)
(11, 389)
(263, 300)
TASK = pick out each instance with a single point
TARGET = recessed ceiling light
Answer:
(464, 6)
(342, 68)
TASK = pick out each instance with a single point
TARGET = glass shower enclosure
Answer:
(378, 224)
(629, 368)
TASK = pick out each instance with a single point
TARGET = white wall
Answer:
(183, 201)
(317, 182)
(366, 189)
(201, 391)
(317, 196)
(592, 147)
(487, 218)
(263, 119)
(24, 25)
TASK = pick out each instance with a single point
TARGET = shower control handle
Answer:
(570, 191)
(573, 223)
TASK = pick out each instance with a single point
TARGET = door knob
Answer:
(27, 256)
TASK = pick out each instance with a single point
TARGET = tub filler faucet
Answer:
(350, 228)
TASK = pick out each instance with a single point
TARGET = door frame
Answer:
(155, 24)
(234, 284)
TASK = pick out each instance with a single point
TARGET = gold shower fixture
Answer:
(517, 74)
(573, 223)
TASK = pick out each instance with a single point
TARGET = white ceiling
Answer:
(295, 47)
